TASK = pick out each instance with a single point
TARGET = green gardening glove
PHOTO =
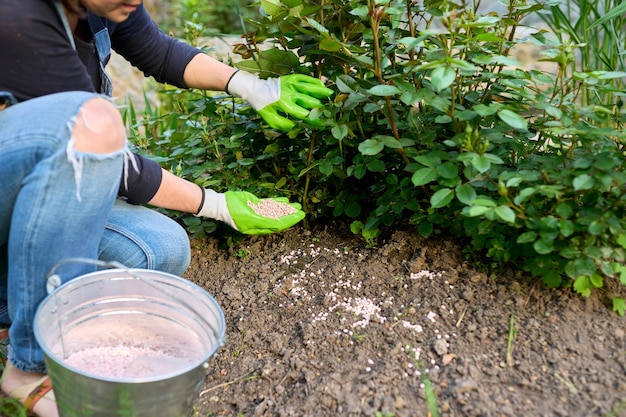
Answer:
(276, 99)
(249, 214)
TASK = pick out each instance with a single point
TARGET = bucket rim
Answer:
(202, 362)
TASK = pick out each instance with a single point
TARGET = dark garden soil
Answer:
(319, 325)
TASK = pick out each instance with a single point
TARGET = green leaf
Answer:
(484, 201)
(514, 182)
(494, 159)
(463, 65)
(316, 25)
(488, 37)
(596, 280)
(527, 237)
(495, 59)
(356, 227)
(425, 229)
(339, 131)
(326, 168)
(443, 119)
(564, 210)
(359, 171)
(554, 112)
(605, 268)
(619, 305)
(271, 7)
(595, 228)
(582, 285)
(361, 11)
(384, 90)
(621, 240)
(584, 266)
(481, 163)
(376, 166)
(428, 160)
(465, 193)
(390, 142)
(330, 45)
(622, 274)
(442, 77)
(605, 164)
(424, 176)
(566, 227)
(484, 21)
(584, 162)
(486, 111)
(344, 84)
(475, 211)
(616, 11)
(506, 214)
(552, 279)
(279, 184)
(583, 182)
(353, 209)
(466, 115)
(609, 75)
(441, 198)
(447, 170)
(410, 42)
(431, 65)
(543, 247)
(570, 252)
(292, 3)
(513, 119)
(371, 147)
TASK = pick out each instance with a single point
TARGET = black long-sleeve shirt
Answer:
(37, 58)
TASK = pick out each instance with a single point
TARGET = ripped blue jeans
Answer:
(57, 203)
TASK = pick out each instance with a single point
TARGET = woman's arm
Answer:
(144, 45)
(207, 73)
(176, 193)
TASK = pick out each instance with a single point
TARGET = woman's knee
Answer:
(171, 251)
(99, 128)
(139, 237)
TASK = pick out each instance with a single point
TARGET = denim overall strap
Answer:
(66, 23)
(103, 46)
(7, 99)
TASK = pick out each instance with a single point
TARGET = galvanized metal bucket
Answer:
(129, 309)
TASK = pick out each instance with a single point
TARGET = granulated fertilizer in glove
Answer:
(272, 209)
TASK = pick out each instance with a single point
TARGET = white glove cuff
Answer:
(214, 207)
(259, 93)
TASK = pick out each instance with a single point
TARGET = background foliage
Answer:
(433, 124)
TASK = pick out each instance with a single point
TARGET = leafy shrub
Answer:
(432, 124)
(215, 18)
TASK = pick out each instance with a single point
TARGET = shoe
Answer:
(4, 346)
(34, 393)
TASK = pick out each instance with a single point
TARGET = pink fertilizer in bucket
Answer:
(126, 361)
(133, 343)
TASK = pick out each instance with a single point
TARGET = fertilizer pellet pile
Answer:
(125, 361)
(272, 209)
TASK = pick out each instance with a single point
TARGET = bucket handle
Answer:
(53, 280)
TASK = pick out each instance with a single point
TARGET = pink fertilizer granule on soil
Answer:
(126, 361)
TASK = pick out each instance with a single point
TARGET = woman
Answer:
(66, 174)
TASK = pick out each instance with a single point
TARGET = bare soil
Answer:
(320, 325)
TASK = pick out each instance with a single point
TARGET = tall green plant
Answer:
(214, 18)
(594, 30)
